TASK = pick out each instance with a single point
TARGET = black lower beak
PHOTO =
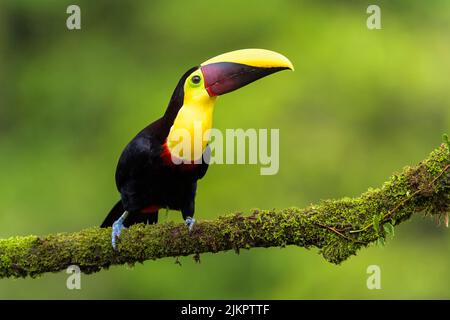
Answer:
(224, 77)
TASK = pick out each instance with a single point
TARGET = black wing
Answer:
(135, 169)
(205, 163)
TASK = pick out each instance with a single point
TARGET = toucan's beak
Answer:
(233, 70)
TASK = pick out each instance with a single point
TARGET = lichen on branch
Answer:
(338, 228)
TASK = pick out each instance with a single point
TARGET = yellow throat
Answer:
(189, 134)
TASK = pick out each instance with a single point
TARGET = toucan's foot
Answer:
(190, 223)
(117, 228)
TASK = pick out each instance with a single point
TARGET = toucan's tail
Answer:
(113, 215)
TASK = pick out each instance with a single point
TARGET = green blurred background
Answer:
(360, 105)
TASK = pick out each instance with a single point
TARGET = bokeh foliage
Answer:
(360, 105)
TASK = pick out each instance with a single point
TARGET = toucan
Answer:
(148, 176)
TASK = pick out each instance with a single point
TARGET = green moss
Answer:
(337, 228)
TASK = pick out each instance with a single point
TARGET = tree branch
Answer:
(338, 228)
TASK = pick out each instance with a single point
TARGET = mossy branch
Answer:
(338, 228)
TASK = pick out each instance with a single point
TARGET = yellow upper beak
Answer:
(259, 58)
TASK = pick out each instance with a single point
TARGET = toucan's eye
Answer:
(196, 79)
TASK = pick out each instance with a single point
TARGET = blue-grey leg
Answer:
(190, 223)
(189, 208)
(117, 228)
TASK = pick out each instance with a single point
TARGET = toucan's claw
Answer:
(190, 223)
(117, 228)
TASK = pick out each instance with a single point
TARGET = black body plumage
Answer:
(146, 180)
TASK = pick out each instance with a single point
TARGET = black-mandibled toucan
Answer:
(146, 176)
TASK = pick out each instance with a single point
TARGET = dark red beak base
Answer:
(224, 77)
